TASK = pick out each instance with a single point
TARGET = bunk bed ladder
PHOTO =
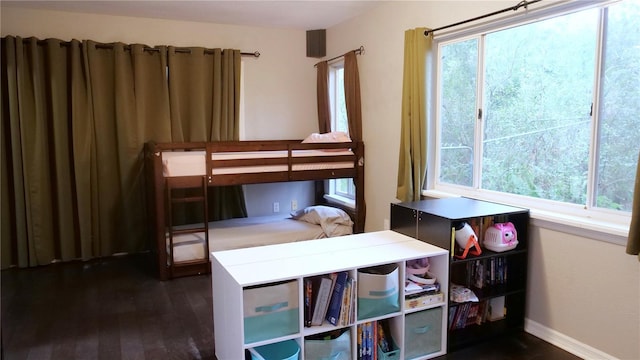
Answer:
(187, 185)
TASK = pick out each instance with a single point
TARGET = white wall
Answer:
(279, 88)
(583, 294)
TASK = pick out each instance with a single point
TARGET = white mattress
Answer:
(242, 233)
(190, 163)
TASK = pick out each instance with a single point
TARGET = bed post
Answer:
(155, 204)
(361, 208)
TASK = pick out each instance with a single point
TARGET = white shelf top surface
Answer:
(264, 264)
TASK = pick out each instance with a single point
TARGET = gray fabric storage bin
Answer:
(423, 333)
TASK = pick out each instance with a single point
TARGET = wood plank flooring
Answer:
(115, 308)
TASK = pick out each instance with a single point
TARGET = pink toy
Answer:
(501, 237)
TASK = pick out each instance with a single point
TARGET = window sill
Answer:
(574, 225)
(340, 200)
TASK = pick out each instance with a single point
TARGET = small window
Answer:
(342, 189)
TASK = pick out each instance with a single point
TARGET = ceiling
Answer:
(300, 14)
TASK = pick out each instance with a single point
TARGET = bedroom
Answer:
(558, 284)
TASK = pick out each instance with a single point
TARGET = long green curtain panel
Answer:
(633, 243)
(354, 110)
(36, 210)
(128, 108)
(75, 117)
(352, 95)
(322, 90)
(204, 94)
(72, 135)
(413, 134)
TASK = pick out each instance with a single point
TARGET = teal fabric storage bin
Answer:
(338, 348)
(270, 311)
(423, 333)
(393, 354)
(286, 350)
(378, 292)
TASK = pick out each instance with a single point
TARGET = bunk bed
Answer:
(197, 166)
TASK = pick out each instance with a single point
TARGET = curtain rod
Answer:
(178, 50)
(523, 3)
(148, 48)
(358, 51)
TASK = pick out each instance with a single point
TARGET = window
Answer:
(544, 111)
(340, 188)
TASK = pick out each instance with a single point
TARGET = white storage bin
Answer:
(378, 292)
(270, 311)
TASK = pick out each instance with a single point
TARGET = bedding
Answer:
(330, 137)
(314, 223)
(334, 222)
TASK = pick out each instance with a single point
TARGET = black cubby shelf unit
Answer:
(500, 309)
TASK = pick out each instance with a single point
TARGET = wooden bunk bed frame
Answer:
(159, 187)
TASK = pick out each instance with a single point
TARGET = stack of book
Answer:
(487, 272)
(476, 313)
(418, 295)
(331, 298)
(375, 341)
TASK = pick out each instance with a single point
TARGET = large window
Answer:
(546, 110)
(343, 188)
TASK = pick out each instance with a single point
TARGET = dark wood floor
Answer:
(116, 309)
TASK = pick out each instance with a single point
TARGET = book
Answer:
(335, 304)
(423, 300)
(308, 301)
(354, 297)
(452, 314)
(346, 303)
(383, 336)
(321, 301)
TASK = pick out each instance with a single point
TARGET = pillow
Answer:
(334, 221)
(330, 137)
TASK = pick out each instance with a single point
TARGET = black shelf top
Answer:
(461, 208)
(486, 254)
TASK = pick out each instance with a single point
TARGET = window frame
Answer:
(600, 223)
(348, 198)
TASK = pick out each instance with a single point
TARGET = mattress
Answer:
(242, 233)
(191, 163)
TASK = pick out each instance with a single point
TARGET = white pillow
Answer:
(333, 221)
(330, 137)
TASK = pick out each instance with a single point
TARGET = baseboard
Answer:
(565, 342)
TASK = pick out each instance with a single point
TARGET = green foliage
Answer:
(538, 90)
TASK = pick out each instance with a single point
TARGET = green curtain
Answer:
(352, 95)
(322, 90)
(354, 114)
(413, 134)
(27, 119)
(633, 243)
(75, 117)
(204, 94)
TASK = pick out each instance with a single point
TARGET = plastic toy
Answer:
(467, 239)
(501, 237)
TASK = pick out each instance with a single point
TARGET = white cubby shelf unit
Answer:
(236, 271)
